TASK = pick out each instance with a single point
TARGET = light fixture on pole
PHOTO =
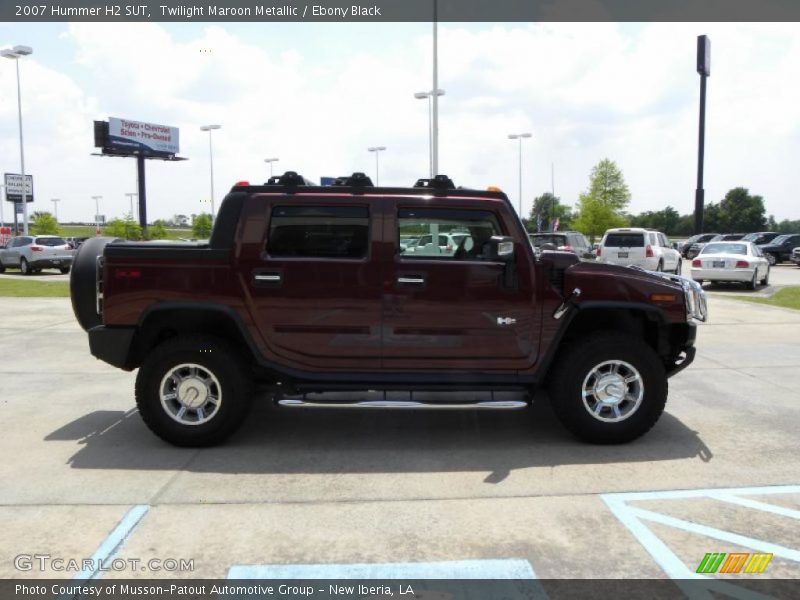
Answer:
(97, 213)
(15, 54)
(269, 161)
(377, 150)
(209, 129)
(55, 202)
(131, 196)
(519, 137)
(427, 96)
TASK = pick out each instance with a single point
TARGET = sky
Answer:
(317, 95)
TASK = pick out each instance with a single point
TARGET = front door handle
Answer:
(411, 280)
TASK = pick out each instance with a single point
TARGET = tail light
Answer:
(696, 263)
(36, 248)
(648, 252)
(599, 250)
(742, 264)
(449, 248)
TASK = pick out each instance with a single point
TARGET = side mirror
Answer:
(501, 248)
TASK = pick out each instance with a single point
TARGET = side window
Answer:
(319, 232)
(462, 234)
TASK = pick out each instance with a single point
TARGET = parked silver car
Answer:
(32, 253)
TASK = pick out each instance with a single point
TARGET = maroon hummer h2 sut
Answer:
(358, 296)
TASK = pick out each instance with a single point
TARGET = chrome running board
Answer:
(488, 400)
(408, 405)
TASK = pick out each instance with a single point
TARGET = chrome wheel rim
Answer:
(190, 394)
(612, 391)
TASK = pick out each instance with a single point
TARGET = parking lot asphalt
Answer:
(82, 475)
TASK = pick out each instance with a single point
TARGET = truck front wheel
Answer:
(608, 388)
(193, 391)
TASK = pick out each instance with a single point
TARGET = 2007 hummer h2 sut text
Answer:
(358, 296)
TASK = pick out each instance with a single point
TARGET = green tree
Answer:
(549, 208)
(601, 207)
(158, 231)
(607, 185)
(124, 228)
(115, 228)
(43, 223)
(667, 220)
(741, 212)
(201, 226)
(594, 217)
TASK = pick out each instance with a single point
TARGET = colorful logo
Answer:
(735, 562)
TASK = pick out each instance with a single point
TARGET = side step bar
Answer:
(408, 405)
(409, 400)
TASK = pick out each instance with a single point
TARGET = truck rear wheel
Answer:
(193, 391)
(608, 388)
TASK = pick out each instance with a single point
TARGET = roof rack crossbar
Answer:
(289, 178)
(439, 182)
(355, 180)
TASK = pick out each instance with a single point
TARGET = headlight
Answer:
(695, 297)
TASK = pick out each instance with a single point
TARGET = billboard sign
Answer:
(13, 182)
(137, 137)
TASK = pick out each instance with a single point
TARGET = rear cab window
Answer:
(337, 232)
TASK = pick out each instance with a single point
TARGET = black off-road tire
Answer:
(574, 364)
(83, 281)
(214, 356)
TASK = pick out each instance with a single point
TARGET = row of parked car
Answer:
(744, 258)
(32, 253)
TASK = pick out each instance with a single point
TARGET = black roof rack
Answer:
(354, 180)
(440, 182)
(290, 178)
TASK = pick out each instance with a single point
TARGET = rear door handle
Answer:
(267, 279)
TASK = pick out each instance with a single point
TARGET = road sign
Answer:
(100, 219)
(18, 208)
(13, 182)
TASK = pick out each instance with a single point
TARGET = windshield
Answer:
(780, 239)
(717, 248)
(539, 239)
(50, 241)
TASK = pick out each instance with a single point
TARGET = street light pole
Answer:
(2, 201)
(15, 54)
(209, 129)
(270, 161)
(55, 202)
(428, 96)
(97, 213)
(519, 137)
(704, 69)
(435, 97)
(377, 150)
(131, 196)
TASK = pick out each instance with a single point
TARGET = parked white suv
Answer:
(32, 253)
(643, 248)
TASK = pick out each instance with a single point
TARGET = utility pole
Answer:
(704, 69)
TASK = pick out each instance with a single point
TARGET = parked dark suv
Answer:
(780, 248)
(307, 290)
(760, 237)
(565, 241)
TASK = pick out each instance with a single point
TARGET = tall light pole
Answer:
(2, 202)
(15, 54)
(269, 161)
(97, 213)
(427, 96)
(209, 129)
(435, 97)
(377, 150)
(55, 202)
(704, 69)
(131, 196)
(519, 137)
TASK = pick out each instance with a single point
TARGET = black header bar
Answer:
(400, 10)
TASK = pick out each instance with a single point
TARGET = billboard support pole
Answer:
(142, 192)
